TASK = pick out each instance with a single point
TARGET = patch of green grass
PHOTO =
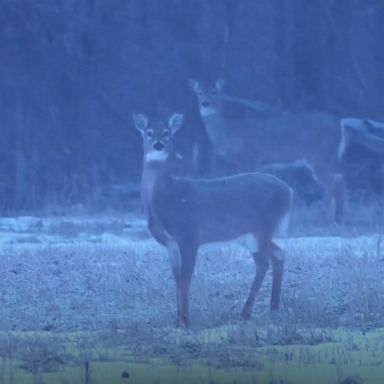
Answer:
(207, 356)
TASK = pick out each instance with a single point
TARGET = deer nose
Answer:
(205, 104)
(158, 145)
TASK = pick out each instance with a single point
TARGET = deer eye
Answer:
(166, 133)
(149, 132)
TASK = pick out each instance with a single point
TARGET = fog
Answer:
(259, 122)
(73, 72)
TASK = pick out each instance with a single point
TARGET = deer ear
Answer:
(175, 122)
(220, 83)
(141, 121)
(194, 85)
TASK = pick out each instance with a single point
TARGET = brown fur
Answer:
(185, 213)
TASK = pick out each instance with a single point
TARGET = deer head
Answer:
(209, 97)
(157, 135)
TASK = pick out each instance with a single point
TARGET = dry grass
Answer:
(96, 294)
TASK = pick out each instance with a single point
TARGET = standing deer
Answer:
(361, 153)
(273, 137)
(184, 213)
(300, 176)
(365, 132)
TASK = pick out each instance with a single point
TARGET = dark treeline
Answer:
(73, 71)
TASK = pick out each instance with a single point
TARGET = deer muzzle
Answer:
(158, 146)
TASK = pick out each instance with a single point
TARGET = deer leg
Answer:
(339, 193)
(277, 259)
(212, 162)
(174, 257)
(164, 238)
(188, 255)
(261, 260)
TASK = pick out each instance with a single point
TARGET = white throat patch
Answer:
(156, 156)
(207, 111)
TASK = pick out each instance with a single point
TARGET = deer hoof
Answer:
(275, 306)
(183, 322)
(246, 313)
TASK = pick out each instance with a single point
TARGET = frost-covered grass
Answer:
(360, 218)
(99, 291)
(32, 230)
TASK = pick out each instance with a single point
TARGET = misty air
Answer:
(191, 191)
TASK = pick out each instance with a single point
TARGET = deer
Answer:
(184, 213)
(365, 132)
(300, 176)
(361, 152)
(272, 136)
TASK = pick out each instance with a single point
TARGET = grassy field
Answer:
(91, 300)
(228, 354)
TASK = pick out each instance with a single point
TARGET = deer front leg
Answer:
(174, 257)
(164, 238)
(188, 254)
(261, 260)
(339, 193)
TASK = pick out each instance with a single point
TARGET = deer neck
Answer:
(214, 122)
(156, 178)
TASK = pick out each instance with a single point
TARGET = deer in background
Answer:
(365, 132)
(184, 213)
(300, 176)
(273, 137)
(361, 153)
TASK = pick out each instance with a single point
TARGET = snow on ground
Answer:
(69, 273)
(112, 230)
(62, 276)
(29, 230)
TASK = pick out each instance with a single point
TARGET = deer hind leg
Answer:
(261, 259)
(188, 254)
(339, 193)
(277, 258)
